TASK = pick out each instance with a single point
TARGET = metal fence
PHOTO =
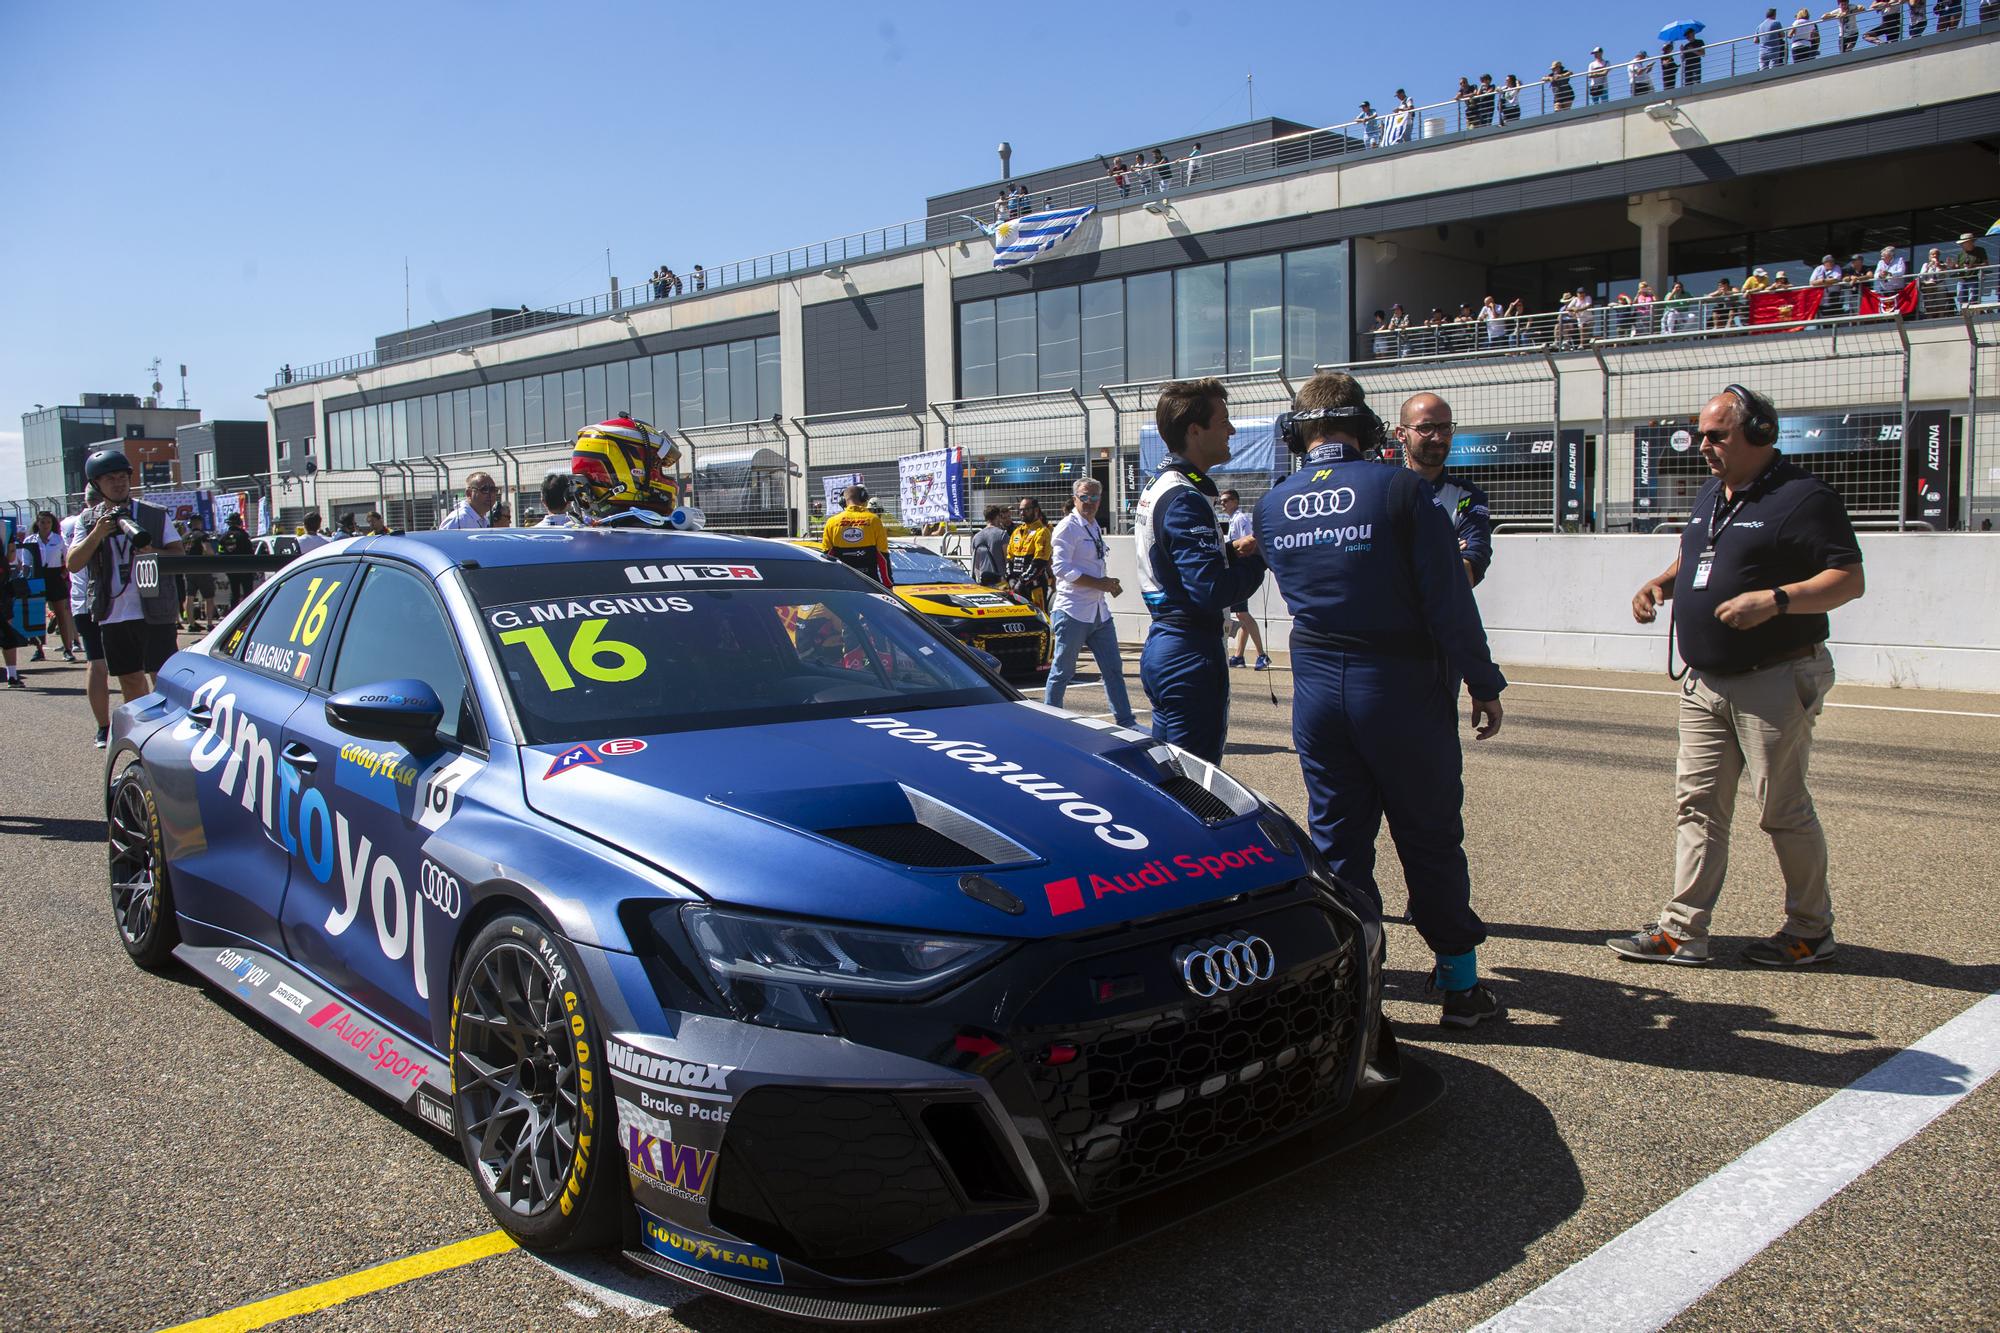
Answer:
(740, 474)
(1980, 473)
(1854, 370)
(1258, 458)
(843, 449)
(1022, 445)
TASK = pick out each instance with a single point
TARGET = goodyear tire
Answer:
(530, 1097)
(142, 900)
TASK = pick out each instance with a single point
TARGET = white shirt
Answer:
(1079, 549)
(312, 541)
(1889, 275)
(1240, 523)
(79, 582)
(464, 516)
(557, 521)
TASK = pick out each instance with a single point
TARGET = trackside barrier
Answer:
(860, 447)
(740, 474)
(1021, 445)
(1654, 389)
(1254, 401)
(1507, 408)
(1979, 475)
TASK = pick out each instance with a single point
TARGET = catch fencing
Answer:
(859, 448)
(740, 475)
(1981, 472)
(1021, 446)
(1258, 459)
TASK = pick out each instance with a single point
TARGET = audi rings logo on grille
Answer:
(440, 886)
(1319, 504)
(1215, 967)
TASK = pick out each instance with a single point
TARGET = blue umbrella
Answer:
(1678, 32)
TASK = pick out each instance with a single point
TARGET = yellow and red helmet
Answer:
(624, 464)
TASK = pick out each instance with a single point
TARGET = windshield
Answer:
(915, 565)
(592, 649)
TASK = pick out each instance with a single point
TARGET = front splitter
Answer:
(1061, 1243)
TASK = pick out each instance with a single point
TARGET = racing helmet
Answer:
(624, 464)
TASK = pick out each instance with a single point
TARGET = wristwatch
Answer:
(1784, 600)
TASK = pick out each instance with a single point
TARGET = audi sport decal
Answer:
(1075, 892)
(726, 1258)
(979, 759)
(577, 756)
(377, 1046)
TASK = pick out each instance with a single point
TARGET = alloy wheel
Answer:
(515, 1065)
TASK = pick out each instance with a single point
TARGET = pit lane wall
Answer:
(1930, 619)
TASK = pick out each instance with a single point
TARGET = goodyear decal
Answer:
(725, 1258)
(382, 776)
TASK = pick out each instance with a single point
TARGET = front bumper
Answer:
(1037, 1114)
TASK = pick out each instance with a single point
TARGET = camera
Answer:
(134, 532)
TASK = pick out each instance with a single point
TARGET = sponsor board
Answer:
(1075, 892)
(724, 1258)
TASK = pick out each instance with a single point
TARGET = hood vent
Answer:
(1204, 804)
(937, 837)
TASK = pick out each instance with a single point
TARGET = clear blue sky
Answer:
(236, 186)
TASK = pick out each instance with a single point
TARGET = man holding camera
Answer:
(1383, 629)
(138, 626)
(1768, 550)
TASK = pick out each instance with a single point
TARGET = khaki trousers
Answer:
(1760, 722)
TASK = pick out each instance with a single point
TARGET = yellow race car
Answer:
(993, 620)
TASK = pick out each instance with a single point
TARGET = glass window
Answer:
(516, 429)
(337, 425)
(618, 390)
(1256, 314)
(573, 416)
(1056, 343)
(770, 379)
(461, 415)
(976, 350)
(639, 388)
(531, 408)
(1316, 313)
(399, 418)
(371, 435)
(1149, 327)
(397, 632)
(715, 383)
(1102, 333)
(290, 631)
(554, 418)
(476, 401)
(1198, 321)
(666, 393)
(690, 370)
(432, 441)
(1014, 342)
(743, 380)
(595, 409)
(496, 414)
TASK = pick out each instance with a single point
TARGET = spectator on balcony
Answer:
(1620, 317)
(1371, 125)
(1163, 170)
(700, 278)
(1000, 208)
(1949, 14)
(1853, 278)
(1930, 280)
(1018, 203)
(1117, 171)
(673, 281)
(1597, 77)
(1970, 261)
(1643, 301)
(1725, 306)
(1379, 338)
(1402, 121)
(1891, 273)
(1781, 283)
(1805, 37)
(1436, 327)
(1560, 86)
(1889, 27)
(1639, 70)
(1464, 330)
(1510, 100)
(1516, 314)
(1677, 312)
(1692, 47)
(1399, 328)
(1576, 319)
(1849, 19)
(1669, 67)
(1770, 41)
(1193, 161)
(1495, 323)
(1142, 174)
(1919, 18)
(1756, 282)
(1486, 99)
(1463, 96)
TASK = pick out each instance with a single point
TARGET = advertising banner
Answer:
(1928, 450)
(180, 505)
(933, 486)
(223, 505)
(1027, 470)
(1572, 505)
(833, 485)
(1254, 447)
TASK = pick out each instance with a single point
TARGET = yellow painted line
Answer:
(321, 1295)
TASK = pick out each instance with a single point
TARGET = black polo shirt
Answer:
(1786, 527)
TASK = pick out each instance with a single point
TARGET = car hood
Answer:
(1072, 824)
(964, 599)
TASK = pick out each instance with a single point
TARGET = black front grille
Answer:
(1206, 805)
(907, 845)
(828, 1174)
(1018, 653)
(1173, 1091)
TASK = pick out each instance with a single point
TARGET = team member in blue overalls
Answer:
(1383, 629)
(1425, 434)
(1189, 573)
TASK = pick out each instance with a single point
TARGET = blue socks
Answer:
(1459, 971)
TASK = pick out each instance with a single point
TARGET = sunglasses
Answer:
(1712, 436)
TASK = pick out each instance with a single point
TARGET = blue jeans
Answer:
(1072, 636)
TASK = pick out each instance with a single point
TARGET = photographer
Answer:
(138, 627)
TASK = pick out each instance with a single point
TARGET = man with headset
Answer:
(1383, 630)
(1767, 552)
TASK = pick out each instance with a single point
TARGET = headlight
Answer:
(776, 971)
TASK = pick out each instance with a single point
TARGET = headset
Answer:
(1760, 418)
(1294, 427)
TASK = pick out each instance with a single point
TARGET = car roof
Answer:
(497, 548)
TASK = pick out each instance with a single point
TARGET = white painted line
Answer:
(1675, 694)
(610, 1286)
(1644, 1279)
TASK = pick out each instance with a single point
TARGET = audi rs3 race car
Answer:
(993, 620)
(852, 985)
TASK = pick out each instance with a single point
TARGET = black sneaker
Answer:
(16, 683)
(1787, 950)
(103, 737)
(1470, 1008)
(39, 656)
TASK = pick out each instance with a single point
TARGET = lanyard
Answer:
(1719, 519)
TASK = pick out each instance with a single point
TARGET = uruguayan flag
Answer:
(1023, 240)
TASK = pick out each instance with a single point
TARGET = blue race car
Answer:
(727, 911)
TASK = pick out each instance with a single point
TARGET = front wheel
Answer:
(140, 895)
(530, 1093)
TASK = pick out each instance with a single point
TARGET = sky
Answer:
(236, 187)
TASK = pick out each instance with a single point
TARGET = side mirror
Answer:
(406, 712)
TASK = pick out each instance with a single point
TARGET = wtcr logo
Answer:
(1319, 504)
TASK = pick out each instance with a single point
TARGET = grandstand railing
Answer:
(1386, 130)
